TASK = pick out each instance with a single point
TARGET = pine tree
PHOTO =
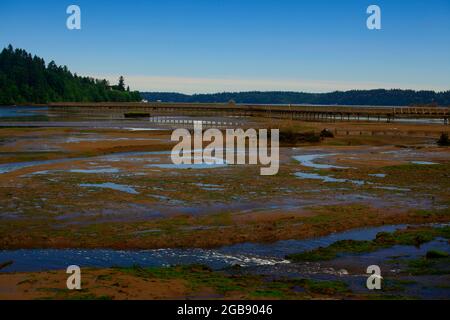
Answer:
(27, 79)
(121, 85)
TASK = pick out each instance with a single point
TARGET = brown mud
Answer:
(57, 204)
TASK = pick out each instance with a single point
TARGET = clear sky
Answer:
(237, 45)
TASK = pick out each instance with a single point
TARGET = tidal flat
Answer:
(105, 187)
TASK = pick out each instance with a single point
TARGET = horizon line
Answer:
(210, 85)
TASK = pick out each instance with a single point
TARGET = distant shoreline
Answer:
(374, 97)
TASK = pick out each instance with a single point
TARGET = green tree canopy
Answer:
(377, 97)
(27, 79)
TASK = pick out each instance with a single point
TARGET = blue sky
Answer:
(236, 45)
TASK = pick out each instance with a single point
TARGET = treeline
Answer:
(27, 79)
(378, 97)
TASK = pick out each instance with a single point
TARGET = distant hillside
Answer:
(378, 97)
(27, 79)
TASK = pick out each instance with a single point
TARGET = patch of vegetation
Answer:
(104, 277)
(6, 264)
(267, 294)
(438, 169)
(388, 297)
(409, 236)
(155, 272)
(292, 137)
(326, 133)
(88, 296)
(444, 140)
(396, 285)
(65, 294)
(424, 266)
(196, 275)
(25, 78)
(431, 214)
(436, 254)
(323, 287)
(27, 281)
(253, 286)
(334, 215)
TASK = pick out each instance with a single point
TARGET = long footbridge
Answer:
(300, 112)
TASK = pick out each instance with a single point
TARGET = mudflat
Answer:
(115, 188)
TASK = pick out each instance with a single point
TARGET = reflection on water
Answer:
(9, 167)
(307, 161)
(192, 162)
(208, 162)
(390, 188)
(143, 129)
(18, 112)
(423, 162)
(315, 176)
(110, 185)
(100, 170)
(378, 175)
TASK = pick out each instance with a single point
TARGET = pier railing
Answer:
(315, 112)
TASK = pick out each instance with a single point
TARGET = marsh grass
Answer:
(252, 286)
(409, 236)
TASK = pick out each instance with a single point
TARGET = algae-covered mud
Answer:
(105, 195)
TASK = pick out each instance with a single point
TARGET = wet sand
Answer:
(118, 182)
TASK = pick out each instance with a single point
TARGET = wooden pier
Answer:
(307, 113)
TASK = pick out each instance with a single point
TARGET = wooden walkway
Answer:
(313, 113)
